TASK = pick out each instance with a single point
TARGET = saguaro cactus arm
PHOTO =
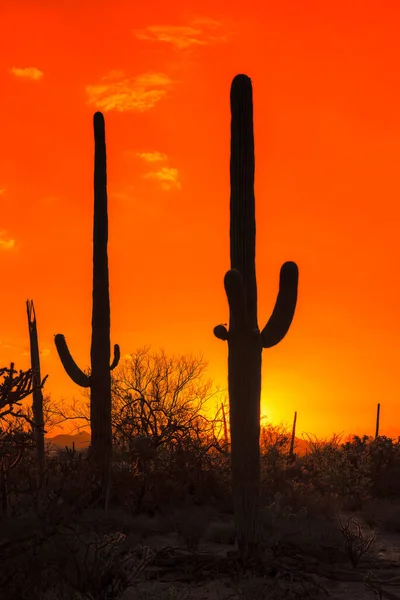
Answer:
(235, 292)
(282, 315)
(285, 306)
(221, 332)
(117, 356)
(70, 366)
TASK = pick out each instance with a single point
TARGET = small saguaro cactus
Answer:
(291, 449)
(278, 519)
(245, 340)
(99, 379)
(37, 394)
(378, 414)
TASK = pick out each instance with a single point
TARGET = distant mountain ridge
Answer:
(81, 440)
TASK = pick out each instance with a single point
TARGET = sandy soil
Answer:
(338, 579)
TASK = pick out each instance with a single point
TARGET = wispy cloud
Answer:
(27, 73)
(121, 93)
(199, 32)
(152, 156)
(6, 244)
(167, 176)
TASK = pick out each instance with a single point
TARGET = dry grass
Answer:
(383, 513)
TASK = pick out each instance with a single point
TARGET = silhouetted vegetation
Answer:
(170, 512)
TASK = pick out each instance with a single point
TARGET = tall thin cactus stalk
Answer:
(291, 450)
(378, 416)
(37, 395)
(245, 340)
(99, 379)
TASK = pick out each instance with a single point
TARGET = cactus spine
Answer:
(245, 340)
(99, 379)
(37, 395)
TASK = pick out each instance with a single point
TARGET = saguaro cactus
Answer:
(245, 340)
(291, 449)
(378, 415)
(37, 395)
(99, 379)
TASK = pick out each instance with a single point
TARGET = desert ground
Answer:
(330, 528)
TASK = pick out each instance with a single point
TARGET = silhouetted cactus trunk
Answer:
(378, 414)
(37, 395)
(100, 388)
(99, 380)
(245, 341)
(291, 451)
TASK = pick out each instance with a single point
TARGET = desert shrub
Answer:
(17, 463)
(274, 448)
(279, 520)
(356, 543)
(188, 473)
(89, 563)
(384, 513)
(384, 456)
(333, 471)
(221, 532)
(317, 504)
(167, 451)
(191, 524)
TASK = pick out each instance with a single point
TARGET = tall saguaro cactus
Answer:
(37, 395)
(99, 379)
(245, 340)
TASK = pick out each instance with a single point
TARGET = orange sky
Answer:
(326, 88)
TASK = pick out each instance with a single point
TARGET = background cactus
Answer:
(291, 450)
(99, 379)
(245, 340)
(37, 395)
(378, 414)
